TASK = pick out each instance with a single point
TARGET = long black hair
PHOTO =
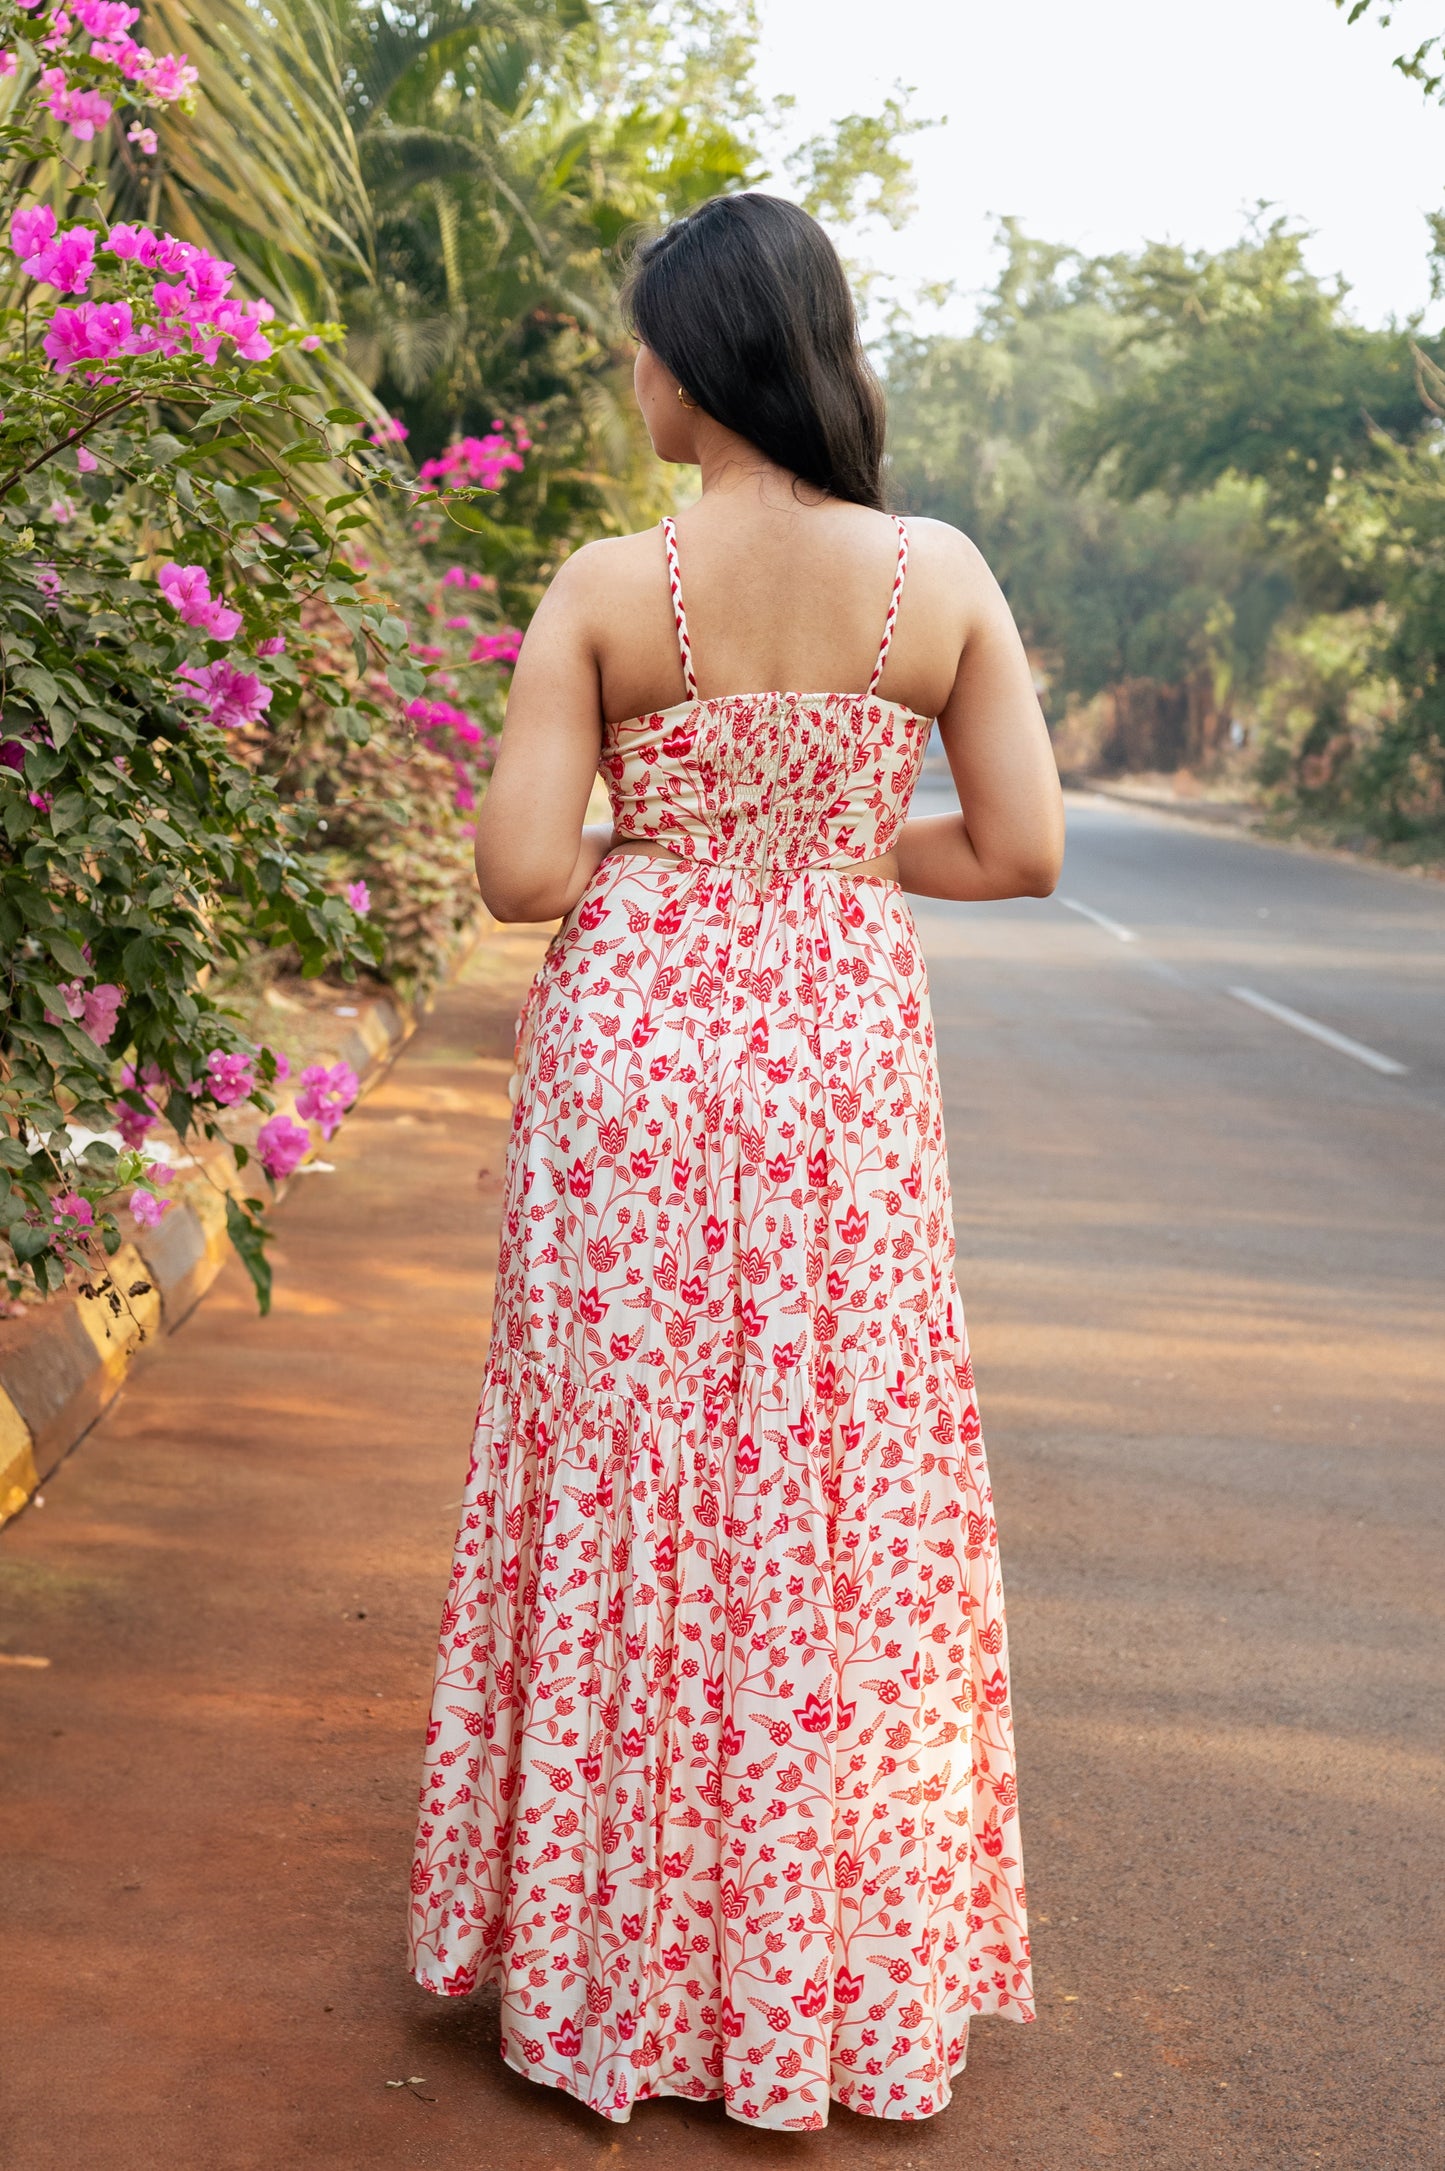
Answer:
(746, 302)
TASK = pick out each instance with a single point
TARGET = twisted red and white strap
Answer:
(674, 582)
(892, 619)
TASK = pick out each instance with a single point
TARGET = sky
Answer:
(1110, 124)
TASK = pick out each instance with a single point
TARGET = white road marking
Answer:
(1385, 1064)
(1100, 919)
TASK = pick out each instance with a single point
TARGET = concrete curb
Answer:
(64, 1363)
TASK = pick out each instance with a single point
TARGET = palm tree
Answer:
(450, 178)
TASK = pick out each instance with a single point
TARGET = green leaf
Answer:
(37, 681)
(250, 1239)
(463, 514)
(27, 1242)
(405, 679)
(242, 506)
(218, 412)
(68, 955)
(162, 448)
(344, 414)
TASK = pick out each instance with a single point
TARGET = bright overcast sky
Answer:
(1108, 124)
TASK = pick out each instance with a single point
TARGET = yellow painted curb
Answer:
(18, 1478)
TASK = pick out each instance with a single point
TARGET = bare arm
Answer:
(534, 858)
(1009, 839)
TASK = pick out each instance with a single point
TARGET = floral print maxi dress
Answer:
(719, 1783)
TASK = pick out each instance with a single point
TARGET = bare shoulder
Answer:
(943, 552)
(608, 576)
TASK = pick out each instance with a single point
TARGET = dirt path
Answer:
(236, 1580)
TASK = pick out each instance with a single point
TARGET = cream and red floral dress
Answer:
(719, 1781)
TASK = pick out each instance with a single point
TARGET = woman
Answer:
(719, 1785)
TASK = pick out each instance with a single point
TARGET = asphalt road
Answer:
(1202, 1257)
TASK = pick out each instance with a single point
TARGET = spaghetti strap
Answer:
(674, 582)
(892, 619)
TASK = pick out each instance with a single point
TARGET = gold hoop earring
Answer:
(682, 396)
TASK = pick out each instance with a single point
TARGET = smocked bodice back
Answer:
(773, 782)
(770, 782)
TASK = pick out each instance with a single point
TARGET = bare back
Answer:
(780, 598)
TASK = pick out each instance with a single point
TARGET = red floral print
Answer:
(719, 1781)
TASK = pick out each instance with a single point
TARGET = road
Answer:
(1202, 1258)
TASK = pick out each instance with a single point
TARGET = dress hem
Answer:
(1022, 2017)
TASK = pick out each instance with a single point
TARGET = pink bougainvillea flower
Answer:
(61, 509)
(358, 896)
(63, 260)
(232, 698)
(310, 343)
(151, 1084)
(60, 29)
(273, 645)
(229, 1077)
(455, 576)
(94, 332)
(170, 77)
(243, 325)
(389, 431)
(458, 625)
(282, 1062)
(102, 1006)
(122, 52)
(136, 243)
(475, 461)
(8, 62)
(145, 139)
(70, 1208)
(32, 229)
(132, 1124)
(81, 111)
(105, 18)
(326, 1095)
(281, 1147)
(187, 588)
(145, 1207)
(503, 647)
(94, 1009)
(67, 263)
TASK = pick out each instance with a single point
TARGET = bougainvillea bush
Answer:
(170, 520)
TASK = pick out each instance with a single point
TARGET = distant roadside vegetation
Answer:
(1216, 503)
